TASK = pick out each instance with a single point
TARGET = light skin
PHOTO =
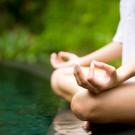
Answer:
(109, 78)
(97, 91)
(104, 54)
(65, 69)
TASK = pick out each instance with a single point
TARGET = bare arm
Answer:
(109, 77)
(107, 53)
(126, 71)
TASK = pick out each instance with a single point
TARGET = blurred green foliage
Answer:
(30, 30)
(27, 13)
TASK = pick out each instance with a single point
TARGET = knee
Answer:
(84, 107)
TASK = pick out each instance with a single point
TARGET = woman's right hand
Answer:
(63, 59)
(101, 77)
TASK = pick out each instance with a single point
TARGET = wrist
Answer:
(124, 73)
(81, 61)
(84, 61)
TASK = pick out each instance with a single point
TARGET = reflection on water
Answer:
(27, 104)
(65, 123)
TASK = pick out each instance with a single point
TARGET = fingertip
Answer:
(94, 61)
(53, 55)
(97, 63)
(100, 65)
(92, 66)
(75, 72)
(78, 70)
(78, 67)
(60, 53)
(75, 68)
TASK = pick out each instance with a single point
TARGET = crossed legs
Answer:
(64, 84)
(115, 105)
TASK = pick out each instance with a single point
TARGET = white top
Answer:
(126, 30)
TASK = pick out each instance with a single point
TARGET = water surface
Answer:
(27, 104)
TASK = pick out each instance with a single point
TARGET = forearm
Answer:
(105, 54)
(126, 71)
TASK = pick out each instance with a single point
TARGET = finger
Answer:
(64, 55)
(109, 69)
(91, 78)
(77, 79)
(79, 75)
(81, 80)
(55, 57)
(91, 70)
(54, 60)
(95, 83)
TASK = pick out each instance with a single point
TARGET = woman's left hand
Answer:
(101, 77)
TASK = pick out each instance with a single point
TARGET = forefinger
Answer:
(81, 79)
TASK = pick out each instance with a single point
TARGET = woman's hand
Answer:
(101, 77)
(63, 59)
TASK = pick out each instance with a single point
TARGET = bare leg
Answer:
(116, 105)
(64, 84)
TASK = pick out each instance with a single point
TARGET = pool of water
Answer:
(27, 104)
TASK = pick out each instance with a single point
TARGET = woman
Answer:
(100, 93)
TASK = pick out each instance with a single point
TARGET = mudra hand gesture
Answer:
(63, 59)
(101, 77)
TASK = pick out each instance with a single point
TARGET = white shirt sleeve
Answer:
(118, 35)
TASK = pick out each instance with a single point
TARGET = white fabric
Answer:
(126, 30)
(118, 35)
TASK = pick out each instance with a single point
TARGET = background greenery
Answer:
(30, 30)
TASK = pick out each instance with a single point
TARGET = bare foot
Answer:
(86, 126)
